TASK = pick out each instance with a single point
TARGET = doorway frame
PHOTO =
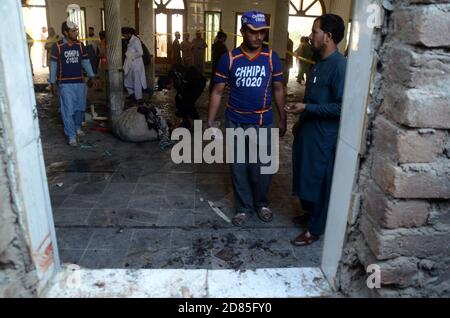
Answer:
(169, 13)
(29, 175)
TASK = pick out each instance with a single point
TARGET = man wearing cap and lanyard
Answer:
(317, 130)
(251, 71)
(68, 59)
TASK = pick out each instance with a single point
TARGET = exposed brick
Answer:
(412, 181)
(400, 271)
(390, 213)
(440, 216)
(416, 67)
(425, 107)
(423, 25)
(390, 244)
(407, 146)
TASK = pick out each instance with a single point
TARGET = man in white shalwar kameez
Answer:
(134, 70)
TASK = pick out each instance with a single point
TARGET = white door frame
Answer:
(366, 17)
(27, 170)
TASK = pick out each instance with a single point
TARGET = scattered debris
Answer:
(101, 129)
(95, 115)
(202, 200)
(219, 212)
(108, 153)
(87, 146)
(99, 284)
(185, 292)
(60, 184)
(119, 231)
(225, 254)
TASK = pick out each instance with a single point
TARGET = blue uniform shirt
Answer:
(70, 61)
(250, 81)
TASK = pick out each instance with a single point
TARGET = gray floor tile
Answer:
(100, 259)
(70, 256)
(73, 238)
(90, 188)
(150, 240)
(118, 239)
(138, 218)
(105, 218)
(147, 203)
(57, 200)
(71, 217)
(145, 189)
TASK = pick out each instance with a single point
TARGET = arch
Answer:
(306, 8)
(161, 5)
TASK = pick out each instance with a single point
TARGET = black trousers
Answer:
(318, 210)
(186, 98)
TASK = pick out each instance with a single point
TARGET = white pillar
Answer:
(21, 146)
(146, 30)
(114, 82)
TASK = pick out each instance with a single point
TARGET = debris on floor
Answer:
(219, 212)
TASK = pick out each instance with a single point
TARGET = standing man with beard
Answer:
(317, 130)
(134, 68)
(252, 73)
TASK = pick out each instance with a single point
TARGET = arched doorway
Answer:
(170, 16)
(302, 14)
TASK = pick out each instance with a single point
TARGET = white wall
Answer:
(57, 13)
(343, 9)
(229, 8)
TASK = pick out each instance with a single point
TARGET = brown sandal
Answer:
(264, 214)
(240, 219)
(304, 240)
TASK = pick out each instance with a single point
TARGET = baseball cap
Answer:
(255, 20)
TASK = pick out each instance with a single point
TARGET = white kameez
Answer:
(134, 69)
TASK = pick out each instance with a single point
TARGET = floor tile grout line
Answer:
(86, 248)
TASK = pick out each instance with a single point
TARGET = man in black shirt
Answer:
(189, 83)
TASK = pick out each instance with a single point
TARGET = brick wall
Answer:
(16, 270)
(404, 223)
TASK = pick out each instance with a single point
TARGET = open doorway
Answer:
(35, 17)
(170, 17)
(109, 243)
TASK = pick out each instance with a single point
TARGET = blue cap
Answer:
(255, 20)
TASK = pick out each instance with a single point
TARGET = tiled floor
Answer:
(125, 205)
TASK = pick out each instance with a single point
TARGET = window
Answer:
(302, 14)
(33, 3)
(161, 38)
(79, 17)
(212, 26)
(238, 38)
(102, 13)
(170, 16)
(311, 8)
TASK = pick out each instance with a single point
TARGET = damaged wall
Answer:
(404, 179)
(16, 276)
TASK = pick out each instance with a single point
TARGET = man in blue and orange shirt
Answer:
(252, 72)
(68, 59)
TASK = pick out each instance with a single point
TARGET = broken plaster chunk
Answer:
(387, 4)
(427, 131)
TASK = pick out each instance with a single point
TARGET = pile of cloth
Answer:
(143, 123)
